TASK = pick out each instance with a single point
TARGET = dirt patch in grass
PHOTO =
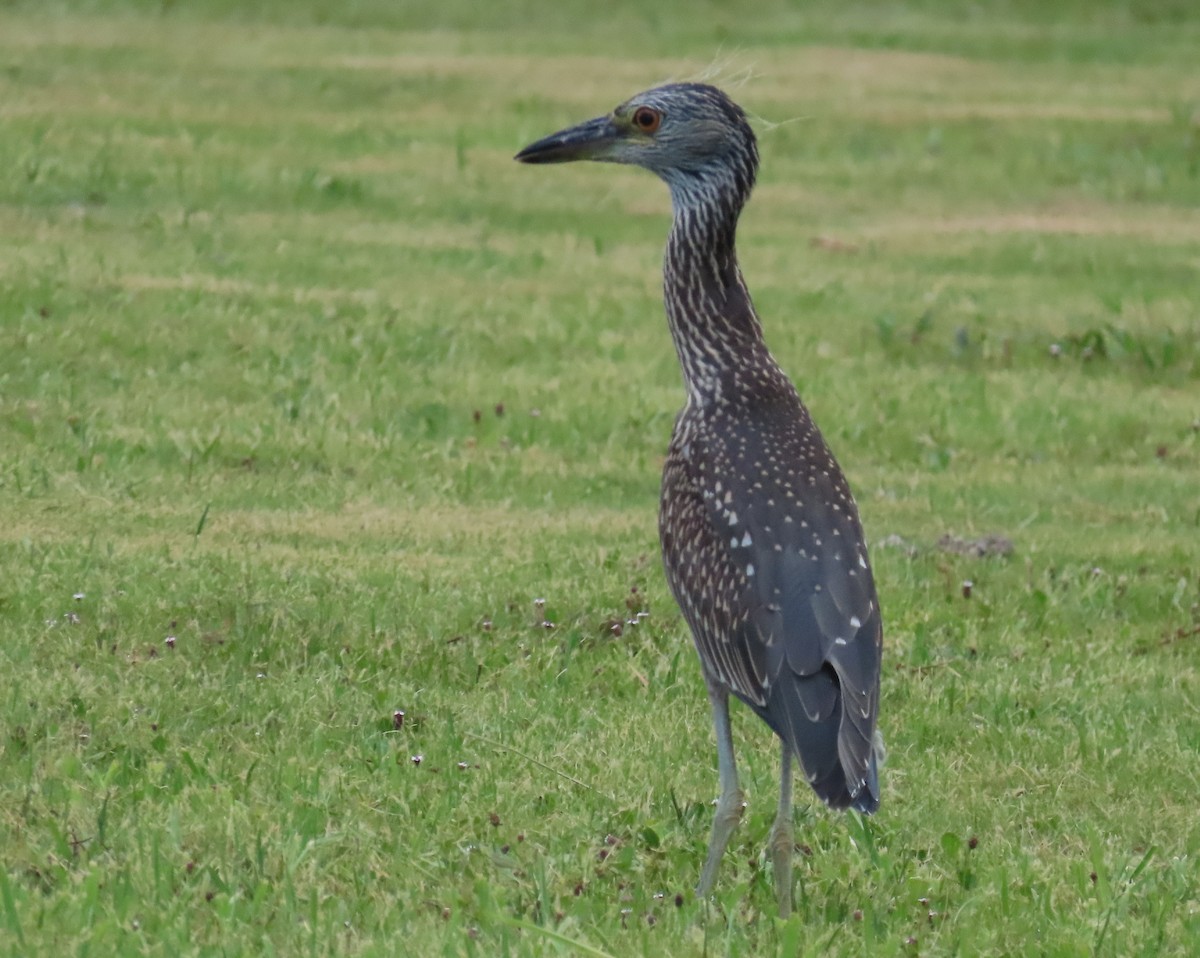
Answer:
(1158, 224)
(1072, 112)
(225, 286)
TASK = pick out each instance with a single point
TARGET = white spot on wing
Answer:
(746, 540)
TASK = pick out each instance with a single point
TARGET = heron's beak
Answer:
(592, 140)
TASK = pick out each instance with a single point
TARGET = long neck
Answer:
(716, 331)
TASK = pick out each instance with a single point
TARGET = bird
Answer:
(762, 544)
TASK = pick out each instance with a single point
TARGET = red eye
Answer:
(646, 119)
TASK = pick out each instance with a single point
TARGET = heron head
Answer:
(687, 133)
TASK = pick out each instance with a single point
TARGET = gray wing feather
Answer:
(802, 624)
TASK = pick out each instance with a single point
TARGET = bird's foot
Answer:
(730, 808)
(782, 845)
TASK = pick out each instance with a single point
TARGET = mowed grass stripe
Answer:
(300, 370)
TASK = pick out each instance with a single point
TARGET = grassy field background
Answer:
(309, 394)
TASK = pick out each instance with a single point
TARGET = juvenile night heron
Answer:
(761, 539)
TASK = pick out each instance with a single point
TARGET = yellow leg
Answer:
(731, 804)
(782, 843)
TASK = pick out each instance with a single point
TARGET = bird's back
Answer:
(766, 557)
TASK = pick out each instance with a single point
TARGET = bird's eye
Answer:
(646, 119)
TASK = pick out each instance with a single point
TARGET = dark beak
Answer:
(587, 141)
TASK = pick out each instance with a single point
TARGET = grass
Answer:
(299, 370)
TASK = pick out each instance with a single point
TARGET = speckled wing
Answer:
(807, 617)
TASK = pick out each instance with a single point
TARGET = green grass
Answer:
(298, 368)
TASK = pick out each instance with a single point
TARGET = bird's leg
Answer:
(781, 842)
(731, 804)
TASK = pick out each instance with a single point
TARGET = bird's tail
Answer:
(867, 800)
(808, 717)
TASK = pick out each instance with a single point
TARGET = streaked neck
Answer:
(712, 320)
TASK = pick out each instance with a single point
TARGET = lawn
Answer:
(329, 452)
